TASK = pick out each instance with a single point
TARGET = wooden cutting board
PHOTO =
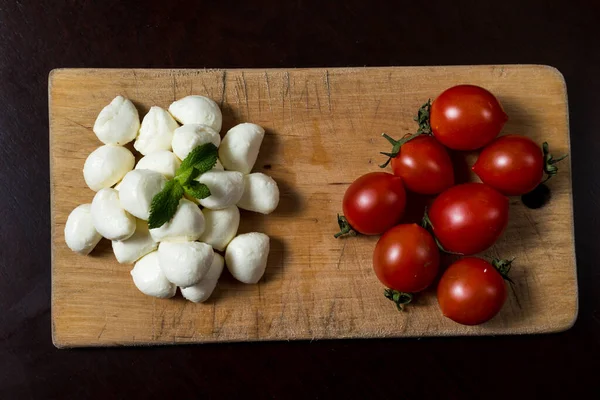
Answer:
(323, 131)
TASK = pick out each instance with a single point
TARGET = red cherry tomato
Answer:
(424, 166)
(374, 203)
(466, 117)
(406, 258)
(468, 218)
(511, 164)
(471, 291)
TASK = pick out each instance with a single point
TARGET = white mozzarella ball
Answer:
(156, 131)
(187, 137)
(137, 189)
(246, 256)
(186, 225)
(138, 245)
(110, 219)
(185, 263)
(240, 147)
(226, 188)
(261, 193)
(197, 110)
(80, 234)
(220, 226)
(149, 278)
(106, 166)
(202, 290)
(118, 122)
(163, 162)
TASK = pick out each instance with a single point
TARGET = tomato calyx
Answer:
(396, 144)
(345, 227)
(549, 168)
(426, 223)
(503, 267)
(422, 118)
(401, 299)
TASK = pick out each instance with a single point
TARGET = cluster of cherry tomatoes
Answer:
(462, 219)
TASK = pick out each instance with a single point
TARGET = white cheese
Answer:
(226, 188)
(220, 226)
(137, 189)
(164, 162)
(80, 234)
(149, 278)
(106, 166)
(246, 256)
(185, 263)
(197, 110)
(156, 131)
(240, 147)
(118, 122)
(110, 219)
(202, 290)
(186, 225)
(138, 245)
(261, 193)
(187, 137)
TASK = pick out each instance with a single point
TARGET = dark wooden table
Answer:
(37, 36)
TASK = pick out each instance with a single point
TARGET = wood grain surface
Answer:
(323, 131)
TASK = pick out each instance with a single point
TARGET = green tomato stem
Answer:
(401, 299)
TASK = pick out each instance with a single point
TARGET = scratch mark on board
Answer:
(102, 331)
(328, 88)
(246, 94)
(341, 255)
(173, 84)
(223, 91)
(268, 90)
(318, 99)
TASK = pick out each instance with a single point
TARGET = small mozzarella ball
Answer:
(240, 147)
(149, 278)
(221, 226)
(118, 186)
(187, 137)
(246, 256)
(184, 264)
(163, 162)
(202, 290)
(118, 122)
(110, 219)
(80, 234)
(197, 110)
(186, 225)
(137, 189)
(156, 132)
(261, 193)
(138, 245)
(226, 188)
(106, 166)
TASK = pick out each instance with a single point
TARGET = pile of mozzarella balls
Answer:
(182, 252)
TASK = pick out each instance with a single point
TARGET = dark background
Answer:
(37, 36)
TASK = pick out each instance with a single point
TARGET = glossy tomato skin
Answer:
(374, 203)
(468, 218)
(511, 164)
(466, 117)
(406, 258)
(471, 291)
(424, 166)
